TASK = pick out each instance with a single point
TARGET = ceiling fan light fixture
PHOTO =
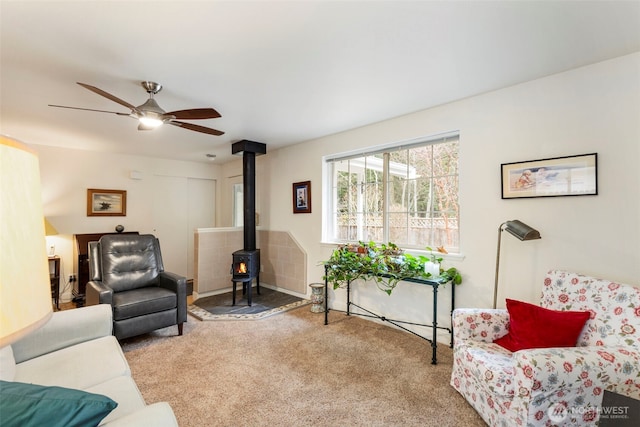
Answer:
(150, 115)
(152, 122)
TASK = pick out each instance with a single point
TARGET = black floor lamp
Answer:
(520, 230)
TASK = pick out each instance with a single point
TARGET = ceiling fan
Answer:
(150, 115)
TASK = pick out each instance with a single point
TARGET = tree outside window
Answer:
(406, 194)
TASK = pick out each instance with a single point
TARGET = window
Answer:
(404, 193)
(238, 203)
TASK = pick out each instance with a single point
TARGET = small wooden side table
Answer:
(54, 277)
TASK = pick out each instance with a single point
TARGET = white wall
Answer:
(67, 173)
(591, 109)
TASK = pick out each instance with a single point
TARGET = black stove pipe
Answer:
(249, 196)
(249, 150)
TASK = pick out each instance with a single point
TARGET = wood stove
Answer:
(246, 265)
(246, 262)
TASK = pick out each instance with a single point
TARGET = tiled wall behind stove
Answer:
(284, 262)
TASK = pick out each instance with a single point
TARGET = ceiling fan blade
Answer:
(195, 114)
(108, 96)
(196, 128)
(90, 109)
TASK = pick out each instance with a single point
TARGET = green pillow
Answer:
(26, 405)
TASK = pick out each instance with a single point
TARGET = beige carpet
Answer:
(291, 370)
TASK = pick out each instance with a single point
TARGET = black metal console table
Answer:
(434, 283)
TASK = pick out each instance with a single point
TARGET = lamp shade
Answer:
(49, 230)
(521, 230)
(25, 293)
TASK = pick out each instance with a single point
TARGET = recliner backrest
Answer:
(126, 262)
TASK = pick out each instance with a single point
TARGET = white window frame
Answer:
(328, 172)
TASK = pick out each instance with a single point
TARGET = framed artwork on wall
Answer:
(106, 202)
(302, 197)
(558, 176)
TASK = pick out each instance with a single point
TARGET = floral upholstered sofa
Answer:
(551, 386)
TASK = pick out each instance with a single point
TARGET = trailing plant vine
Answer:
(385, 264)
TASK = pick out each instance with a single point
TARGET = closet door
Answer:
(202, 214)
(191, 206)
(170, 221)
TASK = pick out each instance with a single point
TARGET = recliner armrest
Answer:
(98, 293)
(177, 284)
(64, 329)
(172, 281)
(479, 324)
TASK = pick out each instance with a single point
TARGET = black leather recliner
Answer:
(126, 271)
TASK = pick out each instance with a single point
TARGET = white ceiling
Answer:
(279, 72)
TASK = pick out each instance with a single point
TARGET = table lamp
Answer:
(522, 232)
(50, 230)
(25, 293)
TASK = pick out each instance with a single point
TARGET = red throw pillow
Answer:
(531, 326)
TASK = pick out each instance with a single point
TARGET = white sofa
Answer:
(562, 386)
(76, 350)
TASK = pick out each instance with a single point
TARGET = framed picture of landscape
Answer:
(106, 202)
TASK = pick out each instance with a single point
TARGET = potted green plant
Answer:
(385, 264)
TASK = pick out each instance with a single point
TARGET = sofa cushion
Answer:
(7, 364)
(124, 391)
(24, 404)
(142, 301)
(531, 326)
(80, 366)
(65, 329)
(157, 414)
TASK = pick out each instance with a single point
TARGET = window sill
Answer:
(415, 252)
